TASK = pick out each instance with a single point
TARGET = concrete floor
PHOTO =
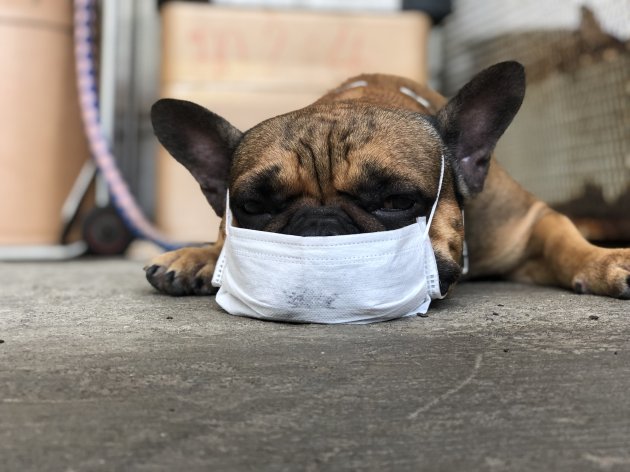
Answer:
(99, 372)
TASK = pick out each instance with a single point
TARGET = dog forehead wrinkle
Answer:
(308, 153)
(260, 182)
(326, 145)
(320, 149)
(379, 180)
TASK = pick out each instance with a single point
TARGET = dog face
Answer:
(349, 166)
(335, 169)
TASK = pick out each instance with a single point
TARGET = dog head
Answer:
(349, 166)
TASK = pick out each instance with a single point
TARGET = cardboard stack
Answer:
(249, 65)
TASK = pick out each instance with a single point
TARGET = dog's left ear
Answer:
(472, 122)
(201, 141)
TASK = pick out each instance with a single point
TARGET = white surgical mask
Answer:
(356, 278)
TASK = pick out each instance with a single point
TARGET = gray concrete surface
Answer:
(99, 372)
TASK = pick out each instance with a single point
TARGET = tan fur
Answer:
(509, 232)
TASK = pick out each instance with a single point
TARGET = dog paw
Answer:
(186, 271)
(605, 273)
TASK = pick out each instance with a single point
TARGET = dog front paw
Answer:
(605, 273)
(186, 271)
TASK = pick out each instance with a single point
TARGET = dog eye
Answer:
(253, 207)
(397, 203)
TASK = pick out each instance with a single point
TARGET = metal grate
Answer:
(573, 129)
(570, 143)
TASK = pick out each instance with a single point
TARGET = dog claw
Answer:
(626, 293)
(198, 283)
(202, 287)
(178, 286)
(578, 287)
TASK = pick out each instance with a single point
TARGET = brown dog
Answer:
(366, 157)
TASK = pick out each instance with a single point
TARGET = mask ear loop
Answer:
(228, 213)
(465, 264)
(437, 198)
(217, 276)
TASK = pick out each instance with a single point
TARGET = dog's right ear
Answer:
(201, 141)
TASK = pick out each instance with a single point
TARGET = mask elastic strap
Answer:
(437, 198)
(465, 264)
(228, 213)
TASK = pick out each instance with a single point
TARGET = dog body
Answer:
(366, 157)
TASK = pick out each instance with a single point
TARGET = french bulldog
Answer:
(366, 157)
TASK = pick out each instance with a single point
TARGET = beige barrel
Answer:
(42, 145)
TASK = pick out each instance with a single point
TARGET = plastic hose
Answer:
(122, 199)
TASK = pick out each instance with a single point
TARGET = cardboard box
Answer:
(206, 43)
(42, 145)
(250, 65)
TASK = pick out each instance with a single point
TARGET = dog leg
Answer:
(186, 271)
(559, 255)
(512, 234)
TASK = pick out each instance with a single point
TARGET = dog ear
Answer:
(472, 122)
(201, 141)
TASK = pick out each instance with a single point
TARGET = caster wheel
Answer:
(105, 232)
